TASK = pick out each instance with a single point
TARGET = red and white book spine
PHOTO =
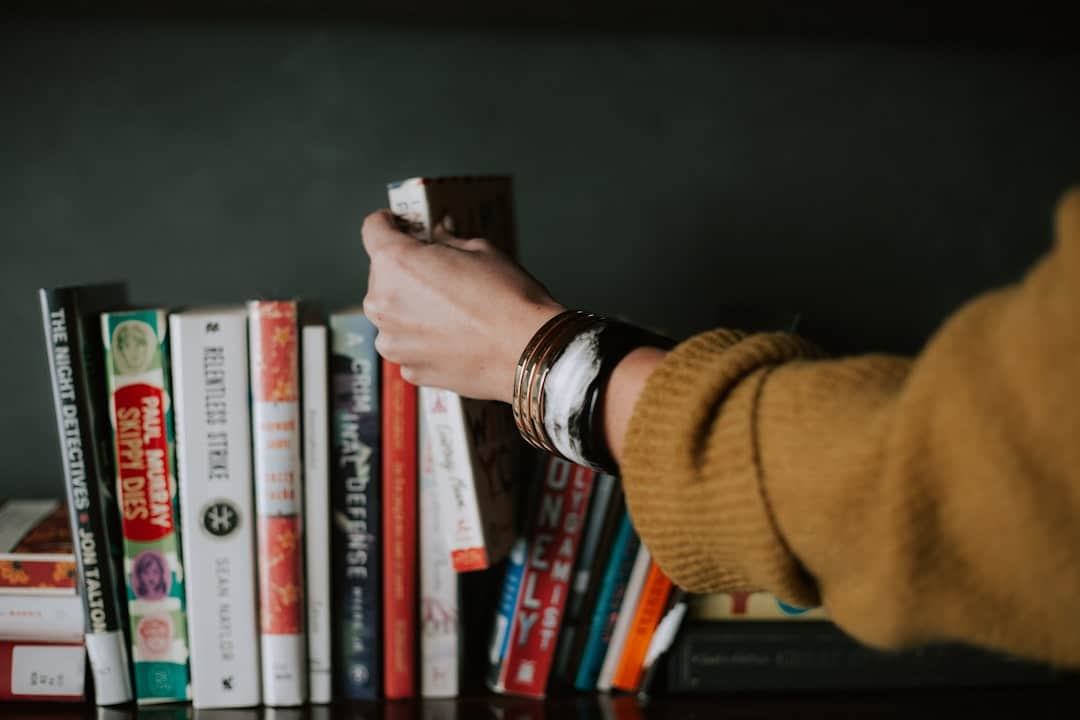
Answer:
(275, 410)
(45, 618)
(316, 395)
(213, 439)
(399, 534)
(36, 553)
(472, 460)
(631, 597)
(549, 565)
(36, 671)
(477, 445)
(439, 626)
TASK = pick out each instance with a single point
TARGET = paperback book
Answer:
(138, 380)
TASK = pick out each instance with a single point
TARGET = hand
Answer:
(455, 313)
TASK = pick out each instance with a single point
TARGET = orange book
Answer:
(649, 611)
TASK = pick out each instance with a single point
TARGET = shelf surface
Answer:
(1056, 701)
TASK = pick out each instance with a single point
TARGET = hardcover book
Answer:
(749, 606)
(620, 563)
(317, 509)
(275, 422)
(399, 533)
(356, 500)
(36, 553)
(476, 445)
(546, 580)
(217, 514)
(440, 625)
(137, 370)
(719, 657)
(42, 672)
(619, 634)
(71, 317)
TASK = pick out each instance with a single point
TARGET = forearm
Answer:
(623, 389)
(921, 500)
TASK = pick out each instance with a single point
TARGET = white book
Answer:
(634, 585)
(315, 396)
(476, 445)
(213, 439)
(276, 443)
(439, 625)
(41, 618)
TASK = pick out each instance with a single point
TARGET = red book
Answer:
(545, 584)
(399, 534)
(36, 554)
(275, 437)
(42, 671)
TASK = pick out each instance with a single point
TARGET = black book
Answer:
(356, 507)
(740, 656)
(605, 512)
(71, 317)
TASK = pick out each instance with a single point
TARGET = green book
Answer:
(140, 413)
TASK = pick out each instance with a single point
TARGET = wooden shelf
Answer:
(1063, 700)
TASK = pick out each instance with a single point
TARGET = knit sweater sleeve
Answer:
(926, 499)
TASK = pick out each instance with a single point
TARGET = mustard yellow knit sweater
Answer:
(925, 499)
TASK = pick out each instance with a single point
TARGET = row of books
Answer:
(264, 511)
(180, 426)
(42, 656)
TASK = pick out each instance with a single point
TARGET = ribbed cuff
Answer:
(691, 471)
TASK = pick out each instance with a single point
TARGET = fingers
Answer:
(443, 233)
(380, 232)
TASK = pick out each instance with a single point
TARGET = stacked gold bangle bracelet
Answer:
(532, 369)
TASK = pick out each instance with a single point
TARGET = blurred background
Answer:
(684, 166)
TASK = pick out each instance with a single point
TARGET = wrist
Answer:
(560, 384)
(529, 321)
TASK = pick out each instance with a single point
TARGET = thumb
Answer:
(380, 231)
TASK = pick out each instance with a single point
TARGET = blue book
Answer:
(504, 613)
(620, 563)
(356, 505)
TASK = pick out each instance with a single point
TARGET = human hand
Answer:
(455, 313)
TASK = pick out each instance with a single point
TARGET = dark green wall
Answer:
(681, 180)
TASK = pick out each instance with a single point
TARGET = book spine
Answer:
(749, 606)
(716, 657)
(356, 449)
(603, 497)
(504, 613)
(443, 413)
(495, 452)
(137, 369)
(477, 445)
(87, 479)
(439, 618)
(623, 554)
(42, 672)
(666, 632)
(36, 551)
(213, 438)
(48, 618)
(546, 583)
(627, 610)
(275, 411)
(317, 511)
(399, 533)
(649, 611)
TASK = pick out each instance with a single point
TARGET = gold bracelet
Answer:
(555, 346)
(539, 348)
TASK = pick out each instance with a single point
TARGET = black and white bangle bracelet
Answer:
(561, 378)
